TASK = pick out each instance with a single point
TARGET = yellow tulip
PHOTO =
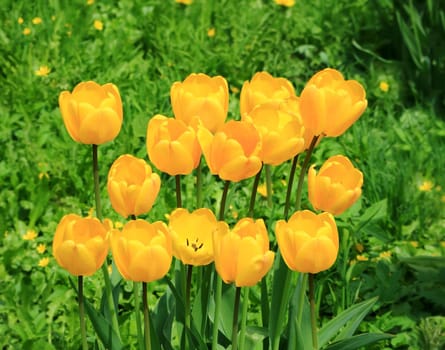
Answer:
(242, 254)
(142, 251)
(233, 152)
(264, 88)
(192, 235)
(336, 186)
(172, 146)
(282, 132)
(202, 97)
(92, 113)
(308, 242)
(80, 245)
(132, 186)
(329, 104)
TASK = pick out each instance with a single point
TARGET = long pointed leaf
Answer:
(355, 312)
(358, 341)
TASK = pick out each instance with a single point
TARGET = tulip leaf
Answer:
(255, 336)
(103, 328)
(375, 212)
(354, 315)
(358, 341)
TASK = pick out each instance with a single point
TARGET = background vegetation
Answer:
(394, 239)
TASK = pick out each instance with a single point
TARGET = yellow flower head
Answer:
(41, 248)
(185, 2)
(43, 71)
(426, 186)
(362, 258)
(359, 247)
(262, 190)
(385, 255)
(36, 20)
(90, 2)
(192, 235)
(20, 20)
(287, 3)
(384, 86)
(30, 235)
(98, 25)
(26, 31)
(44, 262)
(211, 32)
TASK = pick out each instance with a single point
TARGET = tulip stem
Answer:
(235, 319)
(199, 185)
(146, 317)
(82, 313)
(289, 186)
(218, 291)
(313, 315)
(303, 281)
(138, 316)
(222, 206)
(269, 185)
(253, 195)
(178, 191)
(187, 295)
(303, 172)
(242, 336)
(108, 289)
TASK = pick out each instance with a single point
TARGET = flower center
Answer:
(196, 245)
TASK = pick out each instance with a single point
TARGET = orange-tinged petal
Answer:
(149, 264)
(76, 258)
(316, 255)
(240, 168)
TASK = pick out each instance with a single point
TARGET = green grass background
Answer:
(143, 48)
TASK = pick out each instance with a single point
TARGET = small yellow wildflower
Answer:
(41, 248)
(43, 175)
(53, 18)
(211, 32)
(385, 255)
(234, 89)
(361, 258)
(20, 20)
(287, 3)
(26, 31)
(441, 243)
(118, 224)
(185, 2)
(91, 212)
(415, 244)
(44, 262)
(90, 2)
(384, 86)
(98, 25)
(30, 235)
(262, 190)
(43, 71)
(426, 186)
(359, 247)
(442, 199)
(36, 20)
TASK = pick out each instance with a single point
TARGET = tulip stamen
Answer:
(194, 244)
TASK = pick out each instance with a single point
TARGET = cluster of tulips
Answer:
(275, 126)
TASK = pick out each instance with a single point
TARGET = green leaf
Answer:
(375, 212)
(103, 328)
(354, 315)
(358, 341)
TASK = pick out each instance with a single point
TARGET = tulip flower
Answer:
(142, 251)
(192, 235)
(264, 88)
(242, 254)
(80, 245)
(308, 242)
(201, 97)
(132, 187)
(329, 105)
(336, 186)
(172, 146)
(233, 152)
(282, 132)
(92, 113)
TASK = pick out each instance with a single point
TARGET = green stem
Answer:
(83, 331)
(235, 319)
(253, 195)
(178, 191)
(187, 296)
(269, 185)
(108, 289)
(244, 318)
(138, 315)
(303, 172)
(282, 308)
(146, 317)
(313, 315)
(218, 288)
(303, 279)
(289, 186)
(199, 185)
